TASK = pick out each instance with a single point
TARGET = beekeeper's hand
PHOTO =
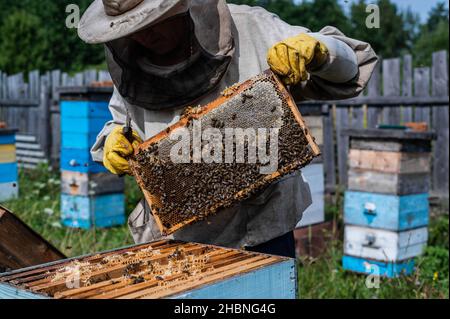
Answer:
(293, 57)
(117, 148)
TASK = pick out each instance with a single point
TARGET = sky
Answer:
(419, 6)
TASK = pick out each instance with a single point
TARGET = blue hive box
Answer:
(90, 195)
(9, 186)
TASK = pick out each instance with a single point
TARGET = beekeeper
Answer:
(165, 55)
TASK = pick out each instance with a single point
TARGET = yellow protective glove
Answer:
(117, 148)
(291, 58)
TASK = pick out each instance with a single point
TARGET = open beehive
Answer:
(163, 269)
(182, 193)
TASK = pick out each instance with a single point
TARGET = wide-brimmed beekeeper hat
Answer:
(107, 20)
(113, 21)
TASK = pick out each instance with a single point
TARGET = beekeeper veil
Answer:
(138, 80)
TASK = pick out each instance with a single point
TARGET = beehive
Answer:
(386, 205)
(180, 194)
(9, 186)
(90, 195)
(163, 269)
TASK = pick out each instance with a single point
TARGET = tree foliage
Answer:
(44, 42)
(33, 34)
(433, 35)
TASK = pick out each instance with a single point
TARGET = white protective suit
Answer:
(279, 208)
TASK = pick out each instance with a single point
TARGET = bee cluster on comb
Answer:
(262, 138)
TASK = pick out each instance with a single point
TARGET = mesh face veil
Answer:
(155, 88)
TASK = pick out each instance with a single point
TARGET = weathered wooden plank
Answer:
(390, 162)
(357, 117)
(56, 83)
(388, 212)
(314, 240)
(382, 145)
(7, 153)
(407, 87)
(44, 109)
(373, 90)
(90, 76)
(388, 183)
(79, 79)
(55, 128)
(404, 136)
(422, 89)
(81, 184)
(391, 87)
(104, 76)
(384, 245)
(22, 246)
(342, 123)
(440, 125)
(328, 151)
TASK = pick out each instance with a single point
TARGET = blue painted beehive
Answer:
(158, 270)
(9, 186)
(90, 196)
(386, 208)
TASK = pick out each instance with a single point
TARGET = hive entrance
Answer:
(182, 193)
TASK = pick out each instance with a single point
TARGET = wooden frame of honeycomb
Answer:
(309, 149)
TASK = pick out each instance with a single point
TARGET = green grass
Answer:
(39, 207)
(324, 277)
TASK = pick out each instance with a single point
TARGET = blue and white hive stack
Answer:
(386, 208)
(9, 186)
(90, 195)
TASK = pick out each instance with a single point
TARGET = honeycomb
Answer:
(182, 193)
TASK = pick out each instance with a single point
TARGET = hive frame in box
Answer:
(222, 273)
(226, 96)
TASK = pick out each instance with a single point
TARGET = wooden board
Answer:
(88, 211)
(388, 183)
(389, 212)
(382, 145)
(8, 191)
(7, 153)
(82, 184)
(20, 246)
(313, 240)
(377, 268)
(163, 269)
(403, 136)
(384, 245)
(390, 162)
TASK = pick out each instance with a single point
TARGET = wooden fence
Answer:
(397, 93)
